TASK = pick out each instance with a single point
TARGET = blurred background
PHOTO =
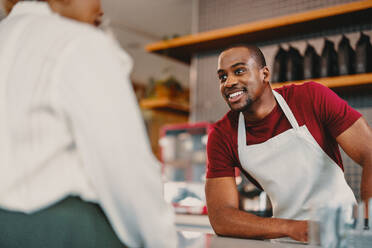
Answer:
(137, 23)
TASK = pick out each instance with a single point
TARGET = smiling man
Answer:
(76, 168)
(286, 141)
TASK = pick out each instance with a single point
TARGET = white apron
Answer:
(293, 170)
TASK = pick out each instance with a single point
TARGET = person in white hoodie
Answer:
(76, 169)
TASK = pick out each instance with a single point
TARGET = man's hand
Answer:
(227, 220)
(298, 230)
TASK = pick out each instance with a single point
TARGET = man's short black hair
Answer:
(255, 51)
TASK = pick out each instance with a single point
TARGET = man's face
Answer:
(241, 79)
(89, 11)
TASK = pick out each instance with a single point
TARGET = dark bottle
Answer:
(346, 57)
(328, 60)
(294, 65)
(363, 55)
(279, 68)
(311, 63)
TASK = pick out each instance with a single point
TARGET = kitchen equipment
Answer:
(183, 154)
(253, 199)
(340, 227)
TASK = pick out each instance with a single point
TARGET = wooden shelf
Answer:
(164, 104)
(335, 82)
(183, 48)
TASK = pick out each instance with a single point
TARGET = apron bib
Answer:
(293, 170)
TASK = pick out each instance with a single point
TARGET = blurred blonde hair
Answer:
(8, 4)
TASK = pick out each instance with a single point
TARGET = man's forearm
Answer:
(366, 184)
(237, 223)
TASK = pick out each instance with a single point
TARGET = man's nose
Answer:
(231, 81)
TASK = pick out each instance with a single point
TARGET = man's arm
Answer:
(228, 220)
(356, 141)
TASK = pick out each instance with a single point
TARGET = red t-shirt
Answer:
(325, 115)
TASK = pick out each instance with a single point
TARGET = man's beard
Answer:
(245, 107)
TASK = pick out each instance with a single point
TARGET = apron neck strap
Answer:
(287, 111)
(242, 137)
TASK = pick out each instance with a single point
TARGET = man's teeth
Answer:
(235, 94)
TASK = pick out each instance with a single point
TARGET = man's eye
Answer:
(239, 71)
(222, 77)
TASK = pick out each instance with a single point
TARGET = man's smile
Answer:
(235, 95)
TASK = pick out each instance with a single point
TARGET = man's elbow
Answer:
(220, 225)
(220, 230)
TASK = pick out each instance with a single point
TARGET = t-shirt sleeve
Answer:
(333, 111)
(220, 162)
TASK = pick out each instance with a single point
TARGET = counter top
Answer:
(202, 240)
(194, 223)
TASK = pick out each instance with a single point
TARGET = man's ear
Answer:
(265, 74)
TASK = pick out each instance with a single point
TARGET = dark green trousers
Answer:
(71, 223)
